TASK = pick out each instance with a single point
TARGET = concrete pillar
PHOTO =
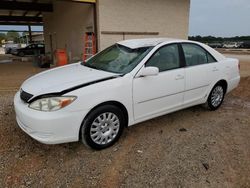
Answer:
(30, 34)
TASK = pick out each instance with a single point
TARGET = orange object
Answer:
(90, 45)
(61, 57)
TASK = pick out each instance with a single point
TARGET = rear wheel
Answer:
(21, 54)
(216, 97)
(102, 127)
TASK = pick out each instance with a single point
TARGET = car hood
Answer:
(63, 78)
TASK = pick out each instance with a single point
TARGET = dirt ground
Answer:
(189, 148)
(13, 74)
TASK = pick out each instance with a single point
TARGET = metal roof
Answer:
(27, 12)
(23, 12)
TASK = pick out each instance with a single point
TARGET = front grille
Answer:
(25, 96)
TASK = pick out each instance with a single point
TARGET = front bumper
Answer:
(48, 127)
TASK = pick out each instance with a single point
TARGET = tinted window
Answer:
(40, 45)
(31, 46)
(166, 58)
(196, 55)
(210, 58)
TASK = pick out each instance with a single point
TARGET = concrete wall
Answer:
(38, 38)
(168, 17)
(64, 28)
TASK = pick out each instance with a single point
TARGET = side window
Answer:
(210, 58)
(166, 58)
(195, 55)
(31, 46)
(40, 45)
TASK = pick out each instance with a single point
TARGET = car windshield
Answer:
(117, 59)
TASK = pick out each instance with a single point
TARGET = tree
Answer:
(2, 37)
(12, 36)
(211, 39)
(25, 33)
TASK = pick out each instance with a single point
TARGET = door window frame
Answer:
(180, 51)
(184, 58)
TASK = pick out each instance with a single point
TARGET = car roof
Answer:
(140, 43)
(148, 42)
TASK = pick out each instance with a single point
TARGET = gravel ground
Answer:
(190, 148)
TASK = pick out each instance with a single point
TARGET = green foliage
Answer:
(211, 39)
(12, 36)
(25, 33)
(2, 37)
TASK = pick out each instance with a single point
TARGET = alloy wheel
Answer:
(104, 128)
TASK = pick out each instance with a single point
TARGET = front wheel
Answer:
(102, 127)
(216, 97)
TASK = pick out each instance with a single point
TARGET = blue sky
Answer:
(21, 28)
(223, 18)
(220, 17)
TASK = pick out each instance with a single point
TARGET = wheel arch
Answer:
(224, 84)
(114, 103)
(208, 104)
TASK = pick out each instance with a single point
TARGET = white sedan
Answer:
(127, 83)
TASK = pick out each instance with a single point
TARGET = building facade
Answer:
(112, 21)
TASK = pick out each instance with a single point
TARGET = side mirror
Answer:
(149, 71)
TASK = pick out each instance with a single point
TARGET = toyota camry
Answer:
(127, 83)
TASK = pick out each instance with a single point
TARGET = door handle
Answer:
(179, 77)
(215, 69)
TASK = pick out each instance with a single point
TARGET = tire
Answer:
(216, 97)
(21, 54)
(102, 127)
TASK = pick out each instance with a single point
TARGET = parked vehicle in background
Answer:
(10, 48)
(31, 49)
(216, 45)
(245, 45)
(127, 83)
(231, 45)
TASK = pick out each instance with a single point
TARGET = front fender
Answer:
(119, 90)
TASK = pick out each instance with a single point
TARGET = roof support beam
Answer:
(38, 14)
(30, 34)
(33, 6)
(21, 23)
(25, 13)
(20, 18)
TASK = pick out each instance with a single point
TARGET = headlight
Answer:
(51, 103)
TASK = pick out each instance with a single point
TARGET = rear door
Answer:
(200, 69)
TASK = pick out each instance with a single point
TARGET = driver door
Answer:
(156, 95)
